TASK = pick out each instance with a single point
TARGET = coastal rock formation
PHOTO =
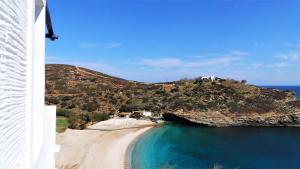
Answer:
(246, 119)
(202, 101)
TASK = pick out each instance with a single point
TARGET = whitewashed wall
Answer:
(26, 130)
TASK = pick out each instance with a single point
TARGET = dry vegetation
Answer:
(87, 92)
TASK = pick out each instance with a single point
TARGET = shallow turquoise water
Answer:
(176, 146)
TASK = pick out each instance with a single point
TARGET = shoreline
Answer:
(105, 145)
(94, 148)
(153, 150)
(131, 146)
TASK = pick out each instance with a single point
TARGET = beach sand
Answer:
(101, 146)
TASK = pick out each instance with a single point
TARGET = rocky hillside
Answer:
(220, 102)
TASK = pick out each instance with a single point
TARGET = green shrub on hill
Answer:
(97, 117)
(63, 112)
(77, 120)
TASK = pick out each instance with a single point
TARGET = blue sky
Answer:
(164, 40)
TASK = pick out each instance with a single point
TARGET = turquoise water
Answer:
(175, 146)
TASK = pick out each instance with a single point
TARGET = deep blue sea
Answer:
(296, 89)
(175, 146)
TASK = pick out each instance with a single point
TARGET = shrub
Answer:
(259, 105)
(129, 108)
(96, 117)
(77, 121)
(244, 81)
(66, 98)
(63, 112)
(52, 100)
(71, 106)
(295, 103)
(160, 91)
(80, 120)
(91, 106)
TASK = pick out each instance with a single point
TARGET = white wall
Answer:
(25, 128)
(38, 79)
(13, 82)
(147, 113)
(45, 158)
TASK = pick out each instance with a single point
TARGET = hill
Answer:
(219, 102)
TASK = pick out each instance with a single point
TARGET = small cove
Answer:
(179, 147)
(175, 146)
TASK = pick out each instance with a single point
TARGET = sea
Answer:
(175, 146)
(295, 89)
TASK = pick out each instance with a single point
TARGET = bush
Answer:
(244, 81)
(130, 107)
(96, 117)
(66, 98)
(259, 105)
(295, 103)
(52, 100)
(77, 121)
(91, 106)
(80, 120)
(160, 91)
(63, 112)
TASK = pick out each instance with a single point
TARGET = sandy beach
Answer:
(101, 146)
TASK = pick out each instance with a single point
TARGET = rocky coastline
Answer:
(218, 119)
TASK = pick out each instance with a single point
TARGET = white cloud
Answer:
(239, 53)
(203, 61)
(89, 45)
(114, 45)
(176, 62)
(213, 62)
(99, 45)
(292, 56)
(163, 62)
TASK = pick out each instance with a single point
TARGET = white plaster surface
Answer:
(27, 131)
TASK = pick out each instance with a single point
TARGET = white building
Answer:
(212, 78)
(27, 128)
(147, 113)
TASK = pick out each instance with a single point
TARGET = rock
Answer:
(218, 119)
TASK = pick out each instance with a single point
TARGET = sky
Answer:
(166, 40)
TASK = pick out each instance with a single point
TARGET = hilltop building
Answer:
(212, 78)
(27, 138)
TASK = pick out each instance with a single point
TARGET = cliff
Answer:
(219, 102)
